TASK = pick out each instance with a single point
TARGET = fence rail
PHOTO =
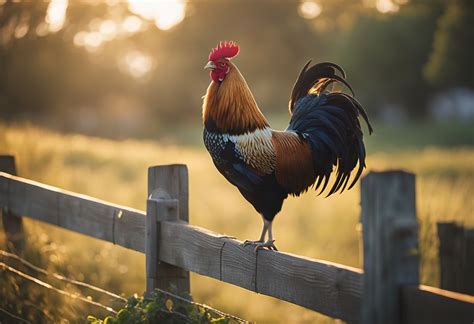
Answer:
(173, 248)
(120, 225)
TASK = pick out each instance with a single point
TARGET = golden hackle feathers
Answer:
(257, 150)
(231, 105)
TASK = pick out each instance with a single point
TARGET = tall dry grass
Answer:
(309, 225)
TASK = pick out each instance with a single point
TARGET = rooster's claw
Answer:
(249, 242)
(259, 245)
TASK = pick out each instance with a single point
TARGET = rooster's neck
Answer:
(229, 107)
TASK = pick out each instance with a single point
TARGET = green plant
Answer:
(162, 307)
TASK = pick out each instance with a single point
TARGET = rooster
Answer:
(323, 137)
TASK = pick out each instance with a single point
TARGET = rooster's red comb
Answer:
(224, 50)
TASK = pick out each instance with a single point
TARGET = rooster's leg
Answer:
(262, 236)
(261, 243)
(269, 244)
(270, 238)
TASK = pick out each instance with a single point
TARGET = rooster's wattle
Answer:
(323, 136)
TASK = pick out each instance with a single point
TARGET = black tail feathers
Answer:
(316, 79)
(329, 122)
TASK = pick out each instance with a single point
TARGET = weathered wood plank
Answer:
(326, 287)
(167, 200)
(468, 281)
(329, 288)
(121, 225)
(29, 199)
(151, 247)
(456, 257)
(12, 223)
(170, 181)
(238, 265)
(3, 192)
(87, 217)
(191, 248)
(390, 233)
(7, 165)
(129, 229)
(426, 305)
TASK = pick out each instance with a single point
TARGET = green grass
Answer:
(309, 225)
(416, 135)
(386, 138)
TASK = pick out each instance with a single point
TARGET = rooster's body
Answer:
(266, 165)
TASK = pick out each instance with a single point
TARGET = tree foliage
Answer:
(451, 61)
(46, 78)
(384, 56)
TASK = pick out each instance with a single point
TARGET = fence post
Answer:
(12, 224)
(456, 257)
(167, 200)
(390, 234)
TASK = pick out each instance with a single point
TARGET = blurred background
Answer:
(93, 92)
(134, 68)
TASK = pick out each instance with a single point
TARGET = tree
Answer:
(384, 56)
(451, 62)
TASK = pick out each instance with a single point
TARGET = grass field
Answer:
(310, 226)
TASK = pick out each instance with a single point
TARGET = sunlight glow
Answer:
(103, 31)
(309, 9)
(386, 6)
(136, 63)
(108, 29)
(42, 29)
(165, 13)
(132, 24)
(90, 40)
(79, 38)
(56, 15)
(21, 30)
(95, 23)
(111, 3)
(93, 40)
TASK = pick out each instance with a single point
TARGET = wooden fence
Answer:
(388, 290)
(456, 257)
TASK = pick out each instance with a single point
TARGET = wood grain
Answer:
(167, 200)
(390, 234)
(190, 248)
(120, 225)
(328, 288)
(151, 247)
(238, 264)
(129, 229)
(12, 223)
(426, 305)
(3, 191)
(7, 165)
(456, 257)
(170, 181)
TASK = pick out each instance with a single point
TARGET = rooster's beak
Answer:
(210, 65)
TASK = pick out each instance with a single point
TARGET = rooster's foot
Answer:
(268, 244)
(262, 245)
(249, 242)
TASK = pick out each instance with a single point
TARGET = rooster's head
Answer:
(219, 60)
